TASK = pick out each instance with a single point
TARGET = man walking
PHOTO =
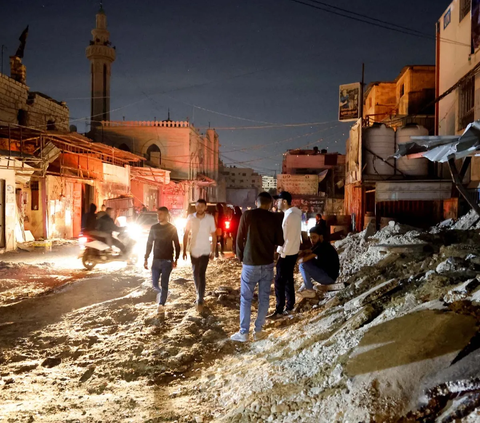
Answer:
(288, 253)
(163, 237)
(202, 228)
(258, 235)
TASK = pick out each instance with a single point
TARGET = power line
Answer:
(373, 21)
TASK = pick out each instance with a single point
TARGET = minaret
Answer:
(101, 55)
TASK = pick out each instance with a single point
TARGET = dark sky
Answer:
(233, 63)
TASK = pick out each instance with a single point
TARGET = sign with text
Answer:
(349, 102)
(298, 184)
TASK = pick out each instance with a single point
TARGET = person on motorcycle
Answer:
(89, 220)
(107, 225)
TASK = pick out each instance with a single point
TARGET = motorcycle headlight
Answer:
(180, 223)
(133, 229)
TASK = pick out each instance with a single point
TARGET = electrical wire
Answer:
(373, 21)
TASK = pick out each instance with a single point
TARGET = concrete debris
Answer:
(399, 341)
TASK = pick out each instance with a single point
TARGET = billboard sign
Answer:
(298, 184)
(349, 102)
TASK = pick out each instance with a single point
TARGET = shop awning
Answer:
(204, 181)
(150, 175)
(23, 172)
(442, 148)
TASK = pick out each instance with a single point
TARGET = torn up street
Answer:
(398, 343)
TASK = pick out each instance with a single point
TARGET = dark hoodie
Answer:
(90, 219)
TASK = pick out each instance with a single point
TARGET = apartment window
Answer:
(244, 174)
(464, 8)
(447, 18)
(241, 180)
(466, 103)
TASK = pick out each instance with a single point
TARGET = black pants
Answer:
(221, 242)
(284, 283)
(199, 266)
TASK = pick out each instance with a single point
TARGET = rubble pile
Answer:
(399, 343)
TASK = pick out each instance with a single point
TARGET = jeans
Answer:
(199, 266)
(163, 268)
(251, 276)
(221, 243)
(310, 271)
(284, 282)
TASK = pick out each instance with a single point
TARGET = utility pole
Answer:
(362, 84)
(4, 47)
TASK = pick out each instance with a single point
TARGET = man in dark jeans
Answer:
(320, 264)
(288, 253)
(202, 227)
(163, 238)
(258, 235)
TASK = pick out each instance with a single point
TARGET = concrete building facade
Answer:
(242, 177)
(406, 100)
(20, 106)
(458, 78)
(269, 183)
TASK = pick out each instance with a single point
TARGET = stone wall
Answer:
(38, 109)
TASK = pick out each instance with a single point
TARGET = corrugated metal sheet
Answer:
(413, 190)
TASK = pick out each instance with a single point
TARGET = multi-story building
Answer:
(269, 183)
(408, 99)
(458, 77)
(242, 185)
(376, 184)
(242, 177)
(314, 177)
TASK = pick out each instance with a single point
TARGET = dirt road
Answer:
(88, 346)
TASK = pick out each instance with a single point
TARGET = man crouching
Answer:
(320, 264)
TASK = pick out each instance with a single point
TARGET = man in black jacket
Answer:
(258, 235)
(163, 238)
(107, 225)
(320, 264)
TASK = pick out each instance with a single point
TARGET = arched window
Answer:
(124, 147)
(154, 155)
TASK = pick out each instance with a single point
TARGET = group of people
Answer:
(262, 237)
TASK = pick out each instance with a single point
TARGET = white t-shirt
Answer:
(201, 230)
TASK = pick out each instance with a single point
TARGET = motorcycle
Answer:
(94, 250)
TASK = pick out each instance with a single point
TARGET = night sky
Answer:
(230, 63)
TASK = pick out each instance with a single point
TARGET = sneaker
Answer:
(199, 307)
(239, 337)
(287, 313)
(258, 336)
(161, 310)
(308, 293)
(275, 315)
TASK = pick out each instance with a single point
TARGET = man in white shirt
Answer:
(202, 228)
(288, 254)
